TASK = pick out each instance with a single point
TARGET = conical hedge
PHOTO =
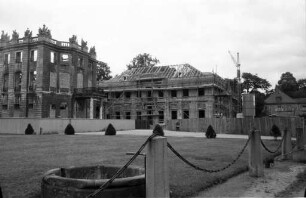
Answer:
(69, 130)
(210, 132)
(110, 130)
(29, 130)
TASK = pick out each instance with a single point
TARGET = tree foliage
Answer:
(302, 83)
(142, 60)
(253, 82)
(288, 83)
(103, 71)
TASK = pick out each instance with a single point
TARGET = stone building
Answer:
(282, 105)
(44, 78)
(160, 93)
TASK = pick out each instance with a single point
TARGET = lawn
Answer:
(24, 159)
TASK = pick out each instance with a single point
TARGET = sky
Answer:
(270, 35)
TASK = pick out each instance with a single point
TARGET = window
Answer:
(18, 77)
(173, 115)
(127, 95)
(138, 113)
(161, 116)
(118, 115)
(118, 94)
(128, 115)
(17, 102)
(201, 113)
(186, 114)
(33, 55)
(18, 57)
(64, 57)
(201, 92)
(138, 94)
(4, 107)
(5, 82)
(173, 93)
(80, 60)
(52, 57)
(160, 93)
(53, 106)
(63, 105)
(6, 59)
(185, 92)
(149, 94)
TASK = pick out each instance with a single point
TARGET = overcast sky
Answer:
(270, 35)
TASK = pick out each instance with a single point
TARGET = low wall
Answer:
(235, 125)
(18, 125)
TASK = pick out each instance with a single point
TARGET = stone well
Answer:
(79, 182)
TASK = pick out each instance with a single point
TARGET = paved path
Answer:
(275, 180)
(143, 132)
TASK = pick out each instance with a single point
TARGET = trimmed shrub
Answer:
(275, 132)
(110, 130)
(158, 130)
(69, 130)
(210, 132)
(29, 130)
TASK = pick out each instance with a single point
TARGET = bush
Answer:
(210, 132)
(69, 130)
(29, 130)
(275, 132)
(110, 130)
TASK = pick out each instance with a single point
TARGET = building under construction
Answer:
(160, 93)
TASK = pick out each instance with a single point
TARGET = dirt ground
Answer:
(275, 181)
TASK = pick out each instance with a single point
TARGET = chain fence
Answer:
(270, 151)
(120, 171)
(158, 133)
(208, 170)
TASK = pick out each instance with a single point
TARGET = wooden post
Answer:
(91, 109)
(300, 139)
(287, 146)
(157, 173)
(255, 157)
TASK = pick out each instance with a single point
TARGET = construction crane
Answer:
(237, 64)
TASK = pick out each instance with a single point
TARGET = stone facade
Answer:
(158, 94)
(38, 76)
(280, 104)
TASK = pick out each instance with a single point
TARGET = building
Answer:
(157, 94)
(44, 78)
(282, 105)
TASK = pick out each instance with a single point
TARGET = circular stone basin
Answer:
(77, 182)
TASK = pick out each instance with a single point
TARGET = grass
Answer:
(24, 159)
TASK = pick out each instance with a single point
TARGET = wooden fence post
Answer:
(286, 145)
(255, 156)
(157, 172)
(300, 139)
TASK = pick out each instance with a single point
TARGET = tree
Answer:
(288, 83)
(253, 82)
(302, 83)
(103, 71)
(142, 60)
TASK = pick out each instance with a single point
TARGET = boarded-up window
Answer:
(64, 80)
(80, 80)
(52, 79)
